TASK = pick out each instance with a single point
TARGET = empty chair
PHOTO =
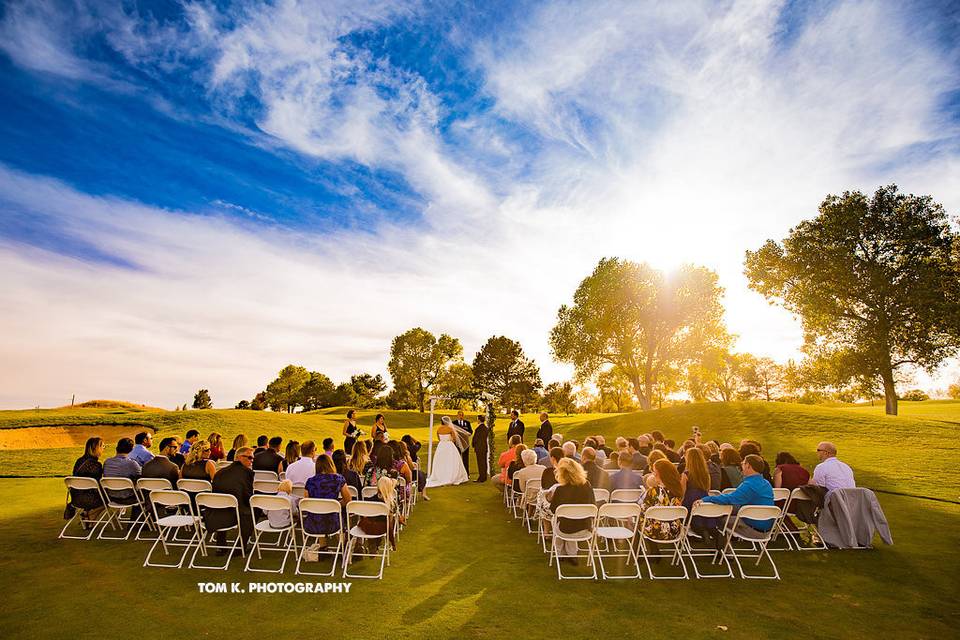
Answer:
(144, 487)
(353, 492)
(698, 546)
(121, 496)
(664, 514)
(265, 475)
(170, 524)
(286, 536)
(209, 500)
(617, 524)
(319, 506)
(584, 512)
(793, 535)
(82, 483)
(758, 540)
(627, 495)
(356, 535)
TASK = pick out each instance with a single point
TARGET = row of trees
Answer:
(296, 387)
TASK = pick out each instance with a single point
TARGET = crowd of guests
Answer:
(316, 471)
(668, 475)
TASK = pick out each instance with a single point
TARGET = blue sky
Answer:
(218, 189)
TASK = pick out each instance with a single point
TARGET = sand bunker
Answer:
(62, 436)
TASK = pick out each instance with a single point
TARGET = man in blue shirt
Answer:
(141, 451)
(192, 436)
(754, 489)
(121, 466)
(540, 450)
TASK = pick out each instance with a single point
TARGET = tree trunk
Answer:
(420, 397)
(889, 391)
(638, 391)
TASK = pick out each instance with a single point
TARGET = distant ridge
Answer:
(111, 404)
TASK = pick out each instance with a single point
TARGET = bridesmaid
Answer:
(350, 431)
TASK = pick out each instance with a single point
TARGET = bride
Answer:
(447, 461)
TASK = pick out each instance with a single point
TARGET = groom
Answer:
(465, 425)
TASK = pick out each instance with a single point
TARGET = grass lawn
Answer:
(465, 569)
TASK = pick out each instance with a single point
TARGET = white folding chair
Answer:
(617, 525)
(528, 502)
(368, 493)
(82, 483)
(793, 535)
(781, 496)
(300, 490)
(728, 490)
(144, 487)
(207, 500)
(267, 503)
(194, 486)
(355, 534)
(713, 492)
(266, 486)
(282, 476)
(172, 523)
(586, 512)
(717, 557)
(601, 496)
(222, 464)
(353, 492)
(415, 489)
(664, 514)
(758, 540)
(319, 506)
(627, 495)
(117, 507)
(265, 475)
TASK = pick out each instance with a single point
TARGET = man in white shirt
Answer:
(831, 473)
(304, 468)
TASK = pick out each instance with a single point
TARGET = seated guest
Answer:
(657, 437)
(620, 443)
(161, 466)
(602, 445)
(549, 478)
(237, 480)
(216, 446)
(714, 447)
(515, 466)
(600, 456)
(383, 464)
(572, 488)
(403, 470)
(501, 480)
(418, 476)
(328, 447)
(649, 479)
(570, 450)
(413, 446)
(626, 477)
(613, 462)
(261, 445)
(326, 483)
(788, 474)
(540, 449)
(198, 465)
(713, 468)
(752, 448)
(305, 466)
(141, 448)
(121, 466)
(192, 436)
(831, 473)
(596, 476)
(88, 466)
(696, 482)
(530, 471)
(238, 443)
(340, 463)
(646, 444)
(280, 519)
(639, 460)
(545, 461)
(292, 454)
(359, 459)
(178, 458)
(666, 491)
(270, 459)
(386, 493)
(730, 468)
(754, 489)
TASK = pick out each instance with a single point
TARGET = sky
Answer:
(195, 194)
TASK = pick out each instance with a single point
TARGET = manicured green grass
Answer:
(465, 569)
(946, 410)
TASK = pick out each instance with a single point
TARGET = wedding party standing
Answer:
(516, 426)
(480, 436)
(350, 431)
(465, 425)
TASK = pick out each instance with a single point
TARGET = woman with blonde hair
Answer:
(379, 525)
(198, 465)
(649, 479)
(667, 491)
(359, 458)
(572, 488)
(239, 442)
(216, 446)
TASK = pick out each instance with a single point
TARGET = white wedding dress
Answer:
(447, 464)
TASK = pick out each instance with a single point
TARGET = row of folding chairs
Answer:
(133, 507)
(616, 530)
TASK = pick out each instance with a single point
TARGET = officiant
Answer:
(465, 425)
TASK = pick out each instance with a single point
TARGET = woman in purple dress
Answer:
(329, 484)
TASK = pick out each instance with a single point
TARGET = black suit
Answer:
(480, 450)
(161, 467)
(545, 432)
(598, 478)
(236, 480)
(267, 460)
(465, 425)
(515, 428)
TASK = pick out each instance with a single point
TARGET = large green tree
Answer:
(368, 388)
(639, 320)
(315, 392)
(560, 396)
(502, 370)
(282, 392)
(456, 384)
(417, 360)
(201, 400)
(875, 281)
